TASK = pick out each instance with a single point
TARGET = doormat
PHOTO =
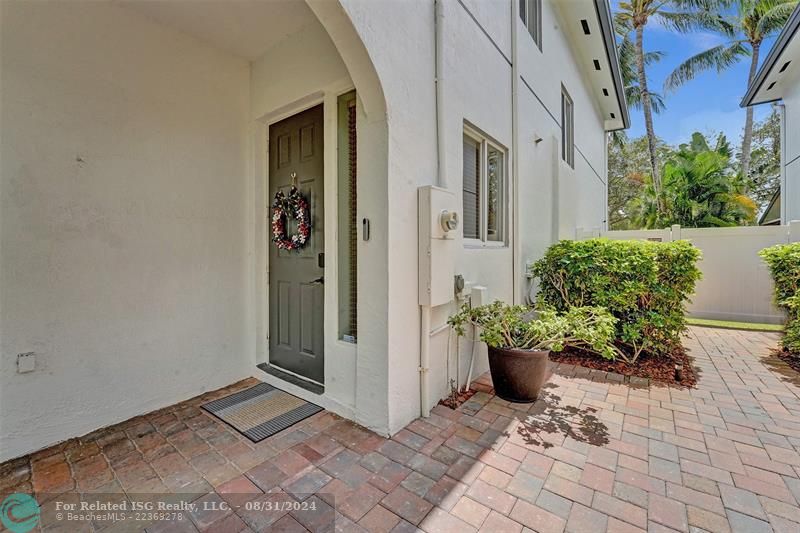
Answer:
(261, 411)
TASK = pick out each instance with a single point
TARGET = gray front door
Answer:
(296, 291)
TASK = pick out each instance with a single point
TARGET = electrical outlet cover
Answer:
(26, 362)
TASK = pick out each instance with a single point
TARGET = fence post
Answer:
(675, 232)
(596, 232)
(794, 231)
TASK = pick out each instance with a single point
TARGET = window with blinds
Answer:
(472, 188)
(530, 11)
(483, 190)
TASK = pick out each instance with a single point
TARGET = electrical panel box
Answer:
(438, 225)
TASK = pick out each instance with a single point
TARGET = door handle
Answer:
(319, 281)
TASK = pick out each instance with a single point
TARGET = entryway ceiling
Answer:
(245, 28)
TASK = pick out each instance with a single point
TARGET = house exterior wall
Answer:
(123, 260)
(478, 38)
(170, 194)
(790, 196)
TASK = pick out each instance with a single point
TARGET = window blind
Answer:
(471, 188)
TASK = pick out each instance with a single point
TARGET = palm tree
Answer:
(744, 28)
(700, 189)
(680, 15)
(630, 80)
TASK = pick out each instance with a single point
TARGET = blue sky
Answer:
(709, 103)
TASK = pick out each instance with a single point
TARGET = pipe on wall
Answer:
(425, 310)
(515, 245)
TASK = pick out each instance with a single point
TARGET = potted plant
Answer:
(520, 340)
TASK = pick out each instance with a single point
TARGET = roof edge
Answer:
(785, 36)
(603, 9)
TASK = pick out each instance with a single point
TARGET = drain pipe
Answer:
(425, 310)
(439, 81)
(516, 245)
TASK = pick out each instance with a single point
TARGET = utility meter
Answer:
(448, 220)
(438, 222)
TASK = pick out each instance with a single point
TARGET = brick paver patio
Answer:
(594, 454)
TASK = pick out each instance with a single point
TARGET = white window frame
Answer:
(483, 214)
(567, 128)
(530, 11)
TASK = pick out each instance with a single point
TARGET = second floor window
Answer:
(567, 128)
(530, 11)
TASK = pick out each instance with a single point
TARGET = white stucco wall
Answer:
(137, 273)
(477, 40)
(790, 197)
(123, 181)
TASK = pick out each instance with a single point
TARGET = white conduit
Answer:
(425, 311)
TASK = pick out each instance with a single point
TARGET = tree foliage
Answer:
(628, 176)
(744, 28)
(765, 162)
(630, 21)
(701, 189)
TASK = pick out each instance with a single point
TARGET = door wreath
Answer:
(295, 206)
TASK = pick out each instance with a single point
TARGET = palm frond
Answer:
(774, 17)
(653, 57)
(689, 21)
(633, 95)
(718, 58)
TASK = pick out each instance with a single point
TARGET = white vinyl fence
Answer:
(736, 283)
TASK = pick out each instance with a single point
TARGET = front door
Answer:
(296, 291)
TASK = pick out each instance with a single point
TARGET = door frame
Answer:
(328, 97)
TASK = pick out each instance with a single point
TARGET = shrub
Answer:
(784, 265)
(645, 285)
(520, 327)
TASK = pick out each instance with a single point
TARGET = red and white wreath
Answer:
(283, 207)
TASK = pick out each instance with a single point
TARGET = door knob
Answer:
(319, 281)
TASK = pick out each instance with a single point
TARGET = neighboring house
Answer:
(772, 214)
(143, 142)
(778, 80)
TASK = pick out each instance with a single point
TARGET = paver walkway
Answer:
(593, 454)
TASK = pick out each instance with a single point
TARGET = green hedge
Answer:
(784, 264)
(645, 285)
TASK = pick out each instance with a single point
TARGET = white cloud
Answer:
(702, 40)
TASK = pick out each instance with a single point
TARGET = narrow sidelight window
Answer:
(347, 218)
(567, 128)
(484, 190)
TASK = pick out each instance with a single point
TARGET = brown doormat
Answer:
(261, 411)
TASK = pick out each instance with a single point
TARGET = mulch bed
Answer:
(661, 370)
(454, 401)
(791, 360)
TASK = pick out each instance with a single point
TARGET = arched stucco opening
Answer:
(372, 363)
(324, 67)
(134, 232)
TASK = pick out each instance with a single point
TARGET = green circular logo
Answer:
(20, 513)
